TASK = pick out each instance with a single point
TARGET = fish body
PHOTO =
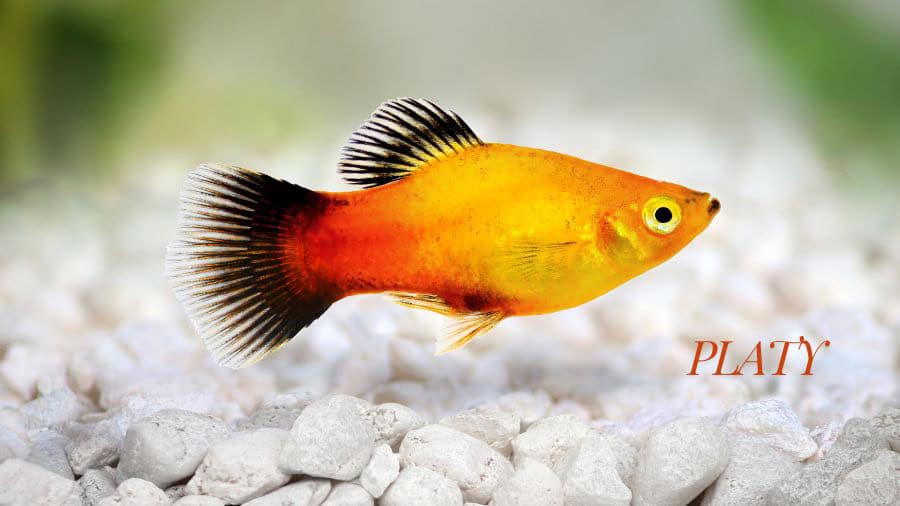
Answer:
(477, 231)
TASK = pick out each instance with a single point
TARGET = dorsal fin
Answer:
(401, 136)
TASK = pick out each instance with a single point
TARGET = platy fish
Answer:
(475, 231)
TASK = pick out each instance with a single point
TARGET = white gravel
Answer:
(168, 446)
(774, 422)
(532, 484)
(549, 440)
(678, 461)
(348, 494)
(418, 485)
(330, 439)
(308, 492)
(382, 469)
(26, 483)
(590, 474)
(876, 483)
(136, 492)
(242, 467)
(476, 468)
(97, 484)
(96, 355)
(495, 427)
(753, 470)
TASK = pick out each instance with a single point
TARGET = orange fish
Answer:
(479, 232)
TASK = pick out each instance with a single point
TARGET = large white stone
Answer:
(775, 423)
(348, 494)
(168, 446)
(418, 486)
(888, 423)
(136, 492)
(330, 439)
(24, 483)
(678, 461)
(474, 466)
(532, 484)
(242, 467)
(495, 427)
(815, 484)
(382, 469)
(528, 406)
(875, 483)
(97, 484)
(391, 421)
(48, 450)
(549, 440)
(56, 407)
(199, 500)
(279, 412)
(753, 470)
(309, 492)
(590, 475)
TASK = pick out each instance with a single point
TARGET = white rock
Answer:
(93, 445)
(392, 421)
(876, 483)
(348, 494)
(24, 483)
(48, 450)
(12, 445)
(626, 454)
(199, 500)
(824, 436)
(330, 439)
(136, 492)
(528, 406)
(23, 365)
(382, 469)
(678, 461)
(242, 467)
(753, 470)
(495, 427)
(816, 483)
(775, 423)
(279, 412)
(888, 423)
(474, 466)
(590, 476)
(96, 484)
(549, 440)
(57, 407)
(168, 446)
(417, 486)
(532, 484)
(310, 492)
(175, 492)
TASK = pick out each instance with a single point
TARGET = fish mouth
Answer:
(713, 207)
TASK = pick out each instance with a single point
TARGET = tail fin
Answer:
(232, 262)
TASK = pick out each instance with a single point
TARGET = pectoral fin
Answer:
(531, 259)
(423, 301)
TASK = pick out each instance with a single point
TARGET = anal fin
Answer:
(466, 327)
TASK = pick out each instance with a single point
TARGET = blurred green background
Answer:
(91, 90)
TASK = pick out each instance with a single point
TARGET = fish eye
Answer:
(662, 214)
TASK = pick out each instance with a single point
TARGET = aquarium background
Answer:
(788, 112)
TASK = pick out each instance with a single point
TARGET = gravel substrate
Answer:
(107, 397)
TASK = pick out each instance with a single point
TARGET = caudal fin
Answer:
(233, 262)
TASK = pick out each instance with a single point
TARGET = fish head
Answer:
(654, 221)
